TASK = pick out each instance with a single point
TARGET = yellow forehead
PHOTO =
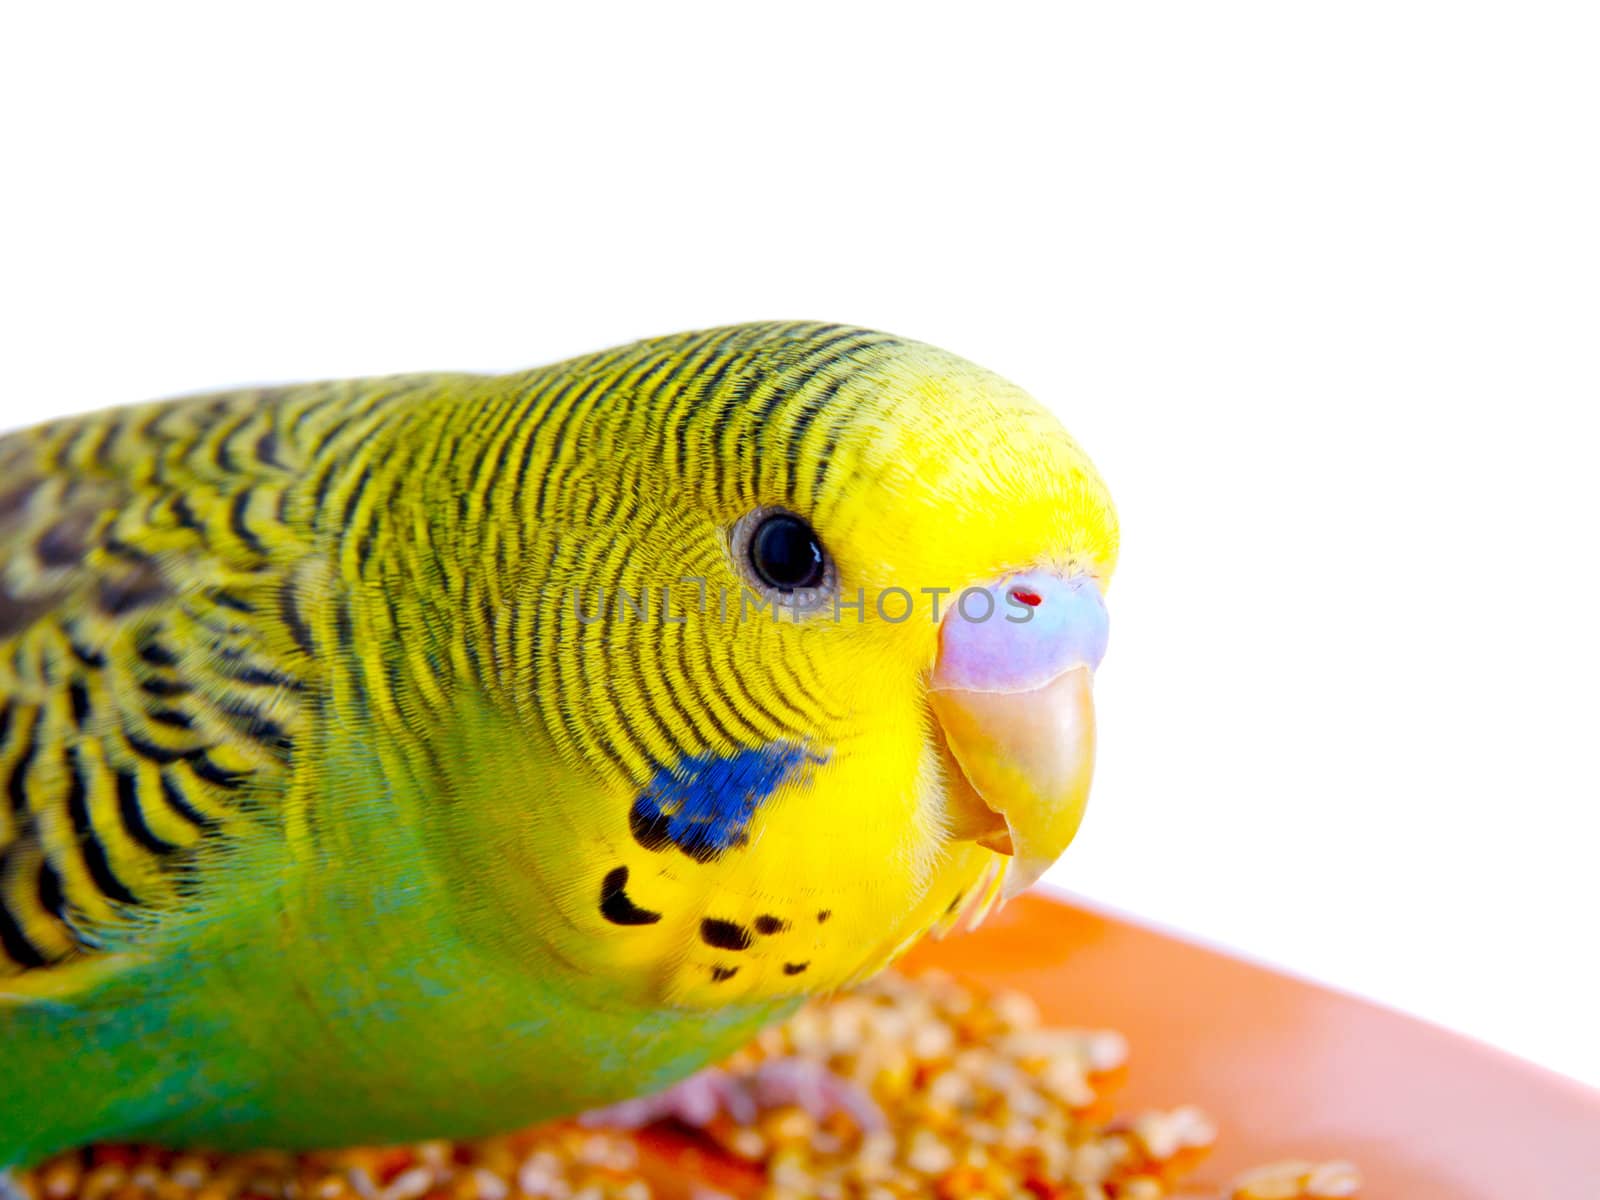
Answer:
(907, 459)
(952, 472)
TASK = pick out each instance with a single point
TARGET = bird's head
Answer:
(811, 619)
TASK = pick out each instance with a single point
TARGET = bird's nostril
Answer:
(1046, 625)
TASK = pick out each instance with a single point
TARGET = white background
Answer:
(1317, 285)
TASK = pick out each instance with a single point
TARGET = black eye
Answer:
(786, 553)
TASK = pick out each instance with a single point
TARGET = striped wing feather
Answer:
(153, 669)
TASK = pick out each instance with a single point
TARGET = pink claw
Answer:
(821, 1092)
(776, 1083)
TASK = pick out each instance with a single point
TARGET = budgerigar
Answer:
(428, 756)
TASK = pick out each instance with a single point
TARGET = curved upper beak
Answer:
(1013, 697)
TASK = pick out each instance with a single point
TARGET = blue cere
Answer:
(1023, 633)
(704, 804)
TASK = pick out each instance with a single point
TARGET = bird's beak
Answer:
(1012, 694)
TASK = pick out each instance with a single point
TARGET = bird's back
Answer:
(156, 657)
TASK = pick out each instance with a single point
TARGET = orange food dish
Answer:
(1291, 1070)
(1057, 1054)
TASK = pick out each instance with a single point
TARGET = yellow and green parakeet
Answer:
(428, 756)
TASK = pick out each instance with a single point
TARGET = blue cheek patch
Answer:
(704, 804)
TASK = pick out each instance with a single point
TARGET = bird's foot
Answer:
(776, 1083)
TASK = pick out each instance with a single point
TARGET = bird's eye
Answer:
(786, 553)
(782, 557)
